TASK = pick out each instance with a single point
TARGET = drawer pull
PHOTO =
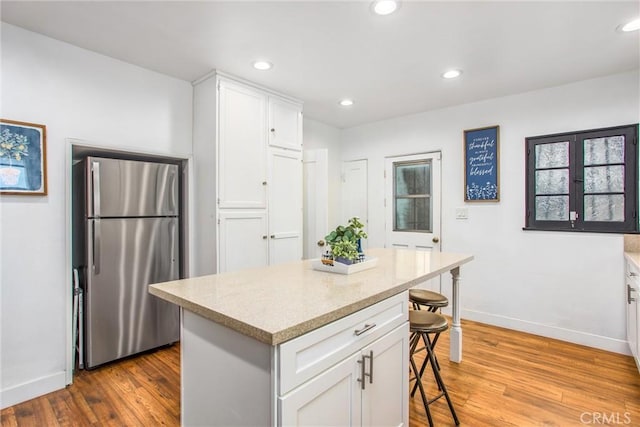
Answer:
(364, 329)
(632, 274)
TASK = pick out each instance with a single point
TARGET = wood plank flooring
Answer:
(507, 378)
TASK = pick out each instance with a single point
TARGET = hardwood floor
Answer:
(507, 378)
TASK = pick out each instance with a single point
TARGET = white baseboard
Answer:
(569, 335)
(32, 389)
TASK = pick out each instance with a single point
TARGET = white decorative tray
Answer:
(338, 267)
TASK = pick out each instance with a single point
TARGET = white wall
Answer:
(557, 284)
(76, 94)
(319, 135)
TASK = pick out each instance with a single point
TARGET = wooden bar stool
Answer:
(432, 300)
(422, 324)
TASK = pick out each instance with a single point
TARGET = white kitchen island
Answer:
(288, 345)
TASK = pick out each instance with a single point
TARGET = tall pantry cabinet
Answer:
(247, 148)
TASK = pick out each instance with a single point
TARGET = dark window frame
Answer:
(576, 181)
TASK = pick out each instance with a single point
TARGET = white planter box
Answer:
(338, 267)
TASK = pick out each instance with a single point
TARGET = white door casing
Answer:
(353, 200)
(316, 201)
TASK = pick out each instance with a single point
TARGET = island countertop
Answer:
(277, 303)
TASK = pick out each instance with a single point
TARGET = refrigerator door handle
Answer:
(172, 196)
(96, 246)
(95, 188)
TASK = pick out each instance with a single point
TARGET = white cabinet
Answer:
(358, 364)
(330, 399)
(632, 291)
(314, 379)
(285, 124)
(243, 242)
(366, 389)
(247, 143)
(285, 206)
(242, 166)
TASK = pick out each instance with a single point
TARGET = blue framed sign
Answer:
(23, 158)
(482, 165)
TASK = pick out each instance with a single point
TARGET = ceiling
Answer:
(324, 51)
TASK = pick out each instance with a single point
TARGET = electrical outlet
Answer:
(462, 213)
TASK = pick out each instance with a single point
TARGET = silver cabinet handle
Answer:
(629, 298)
(632, 274)
(370, 356)
(362, 373)
(95, 182)
(364, 329)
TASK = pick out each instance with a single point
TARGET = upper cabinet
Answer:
(241, 145)
(285, 124)
(247, 176)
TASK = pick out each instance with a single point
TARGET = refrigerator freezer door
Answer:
(127, 188)
(122, 318)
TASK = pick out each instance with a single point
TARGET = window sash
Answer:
(577, 170)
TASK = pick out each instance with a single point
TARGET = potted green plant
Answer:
(345, 238)
(345, 251)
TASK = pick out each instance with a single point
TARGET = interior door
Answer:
(285, 206)
(316, 201)
(354, 193)
(412, 204)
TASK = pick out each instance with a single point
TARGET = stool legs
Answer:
(430, 358)
(425, 401)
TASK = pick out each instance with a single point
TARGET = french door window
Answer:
(583, 181)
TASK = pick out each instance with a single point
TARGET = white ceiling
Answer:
(324, 51)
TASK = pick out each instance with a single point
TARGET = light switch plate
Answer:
(462, 213)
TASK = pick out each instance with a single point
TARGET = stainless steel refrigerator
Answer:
(126, 236)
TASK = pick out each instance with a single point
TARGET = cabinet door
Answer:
(333, 398)
(385, 397)
(285, 206)
(285, 124)
(243, 240)
(632, 288)
(242, 146)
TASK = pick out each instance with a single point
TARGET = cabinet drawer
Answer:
(305, 357)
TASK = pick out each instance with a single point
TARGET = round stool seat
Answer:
(427, 321)
(425, 297)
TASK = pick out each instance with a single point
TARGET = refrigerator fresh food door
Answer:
(128, 188)
(125, 256)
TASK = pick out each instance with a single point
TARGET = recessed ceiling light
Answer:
(262, 65)
(631, 26)
(384, 7)
(451, 74)
(346, 102)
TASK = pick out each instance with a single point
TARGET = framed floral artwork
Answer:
(481, 165)
(23, 158)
